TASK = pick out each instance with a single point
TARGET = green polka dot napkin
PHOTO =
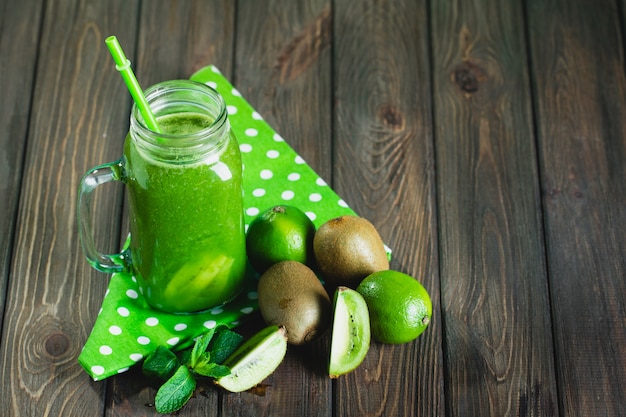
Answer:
(273, 172)
(127, 329)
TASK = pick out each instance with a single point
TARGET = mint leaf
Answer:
(223, 344)
(204, 360)
(211, 370)
(175, 392)
(161, 363)
(202, 342)
(184, 356)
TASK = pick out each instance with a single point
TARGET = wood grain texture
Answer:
(384, 168)
(485, 139)
(18, 48)
(498, 345)
(578, 67)
(283, 69)
(54, 295)
(176, 38)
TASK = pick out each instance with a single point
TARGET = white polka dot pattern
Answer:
(127, 330)
(274, 173)
(132, 329)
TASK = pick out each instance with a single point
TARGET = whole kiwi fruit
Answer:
(347, 249)
(291, 295)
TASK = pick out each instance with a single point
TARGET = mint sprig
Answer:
(200, 347)
(175, 392)
(203, 359)
(162, 363)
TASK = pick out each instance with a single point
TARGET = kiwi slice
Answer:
(255, 360)
(198, 276)
(350, 338)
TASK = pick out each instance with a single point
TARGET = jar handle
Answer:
(96, 176)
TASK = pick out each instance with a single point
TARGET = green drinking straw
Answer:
(122, 64)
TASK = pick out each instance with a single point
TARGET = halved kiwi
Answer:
(350, 339)
(255, 360)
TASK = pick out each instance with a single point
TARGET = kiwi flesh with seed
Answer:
(255, 360)
(291, 295)
(347, 249)
(350, 340)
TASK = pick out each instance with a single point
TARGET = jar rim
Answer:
(159, 90)
(179, 97)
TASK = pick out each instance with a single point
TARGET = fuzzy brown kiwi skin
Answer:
(347, 249)
(291, 295)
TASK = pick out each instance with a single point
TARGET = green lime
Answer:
(281, 233)
(400, 307)
(255, 360)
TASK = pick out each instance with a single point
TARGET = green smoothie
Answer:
(187, 245)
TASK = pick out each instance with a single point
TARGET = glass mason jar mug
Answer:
(187, 238)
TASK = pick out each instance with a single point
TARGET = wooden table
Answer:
(486, 140)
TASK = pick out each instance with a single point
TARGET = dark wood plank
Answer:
(178, 38)
(18, 48)
(348, 85)
(580, 87)
(283, 69)
(498, 345)
(175, 40)
(54, 296)
(384, 168)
